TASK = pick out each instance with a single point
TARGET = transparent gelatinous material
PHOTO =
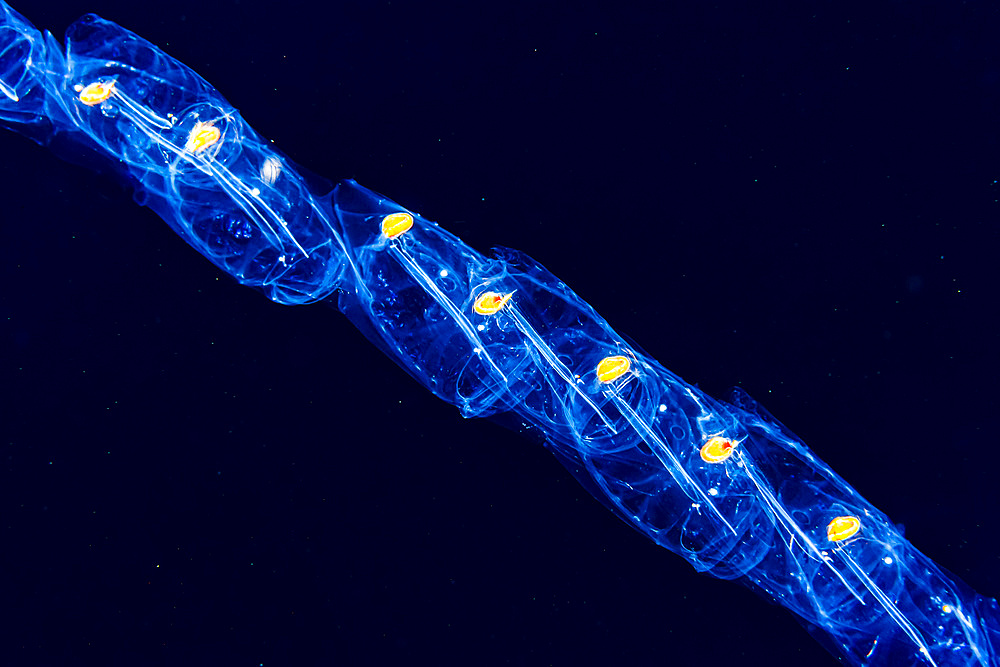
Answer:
(722, 484)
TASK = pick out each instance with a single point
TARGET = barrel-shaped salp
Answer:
(408, 287)
(194, 160)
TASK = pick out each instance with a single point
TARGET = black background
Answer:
(801, 201)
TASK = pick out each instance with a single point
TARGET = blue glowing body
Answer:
(722, 484)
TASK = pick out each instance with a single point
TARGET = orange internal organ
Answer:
(842, 528)
(489, 303)
(96, 92)
(611, 368)
(395, 224)
(202, 136)
(717, 449)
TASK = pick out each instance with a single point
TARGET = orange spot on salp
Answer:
(842, 528)
(96, 92)
(490, 302)
(717, 449)
(395, 224)
(202, 136)
(611, 368)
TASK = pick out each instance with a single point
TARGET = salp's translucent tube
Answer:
(722, 484)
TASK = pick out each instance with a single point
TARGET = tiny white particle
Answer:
(663, 408)
(887, 560)
(713, 492)
(444, 273)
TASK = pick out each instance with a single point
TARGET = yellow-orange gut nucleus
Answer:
(95, 93)
(611, 368)
(395, 224)
(717, 449)
(489, 303)
(842, 528)
(202, 136)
